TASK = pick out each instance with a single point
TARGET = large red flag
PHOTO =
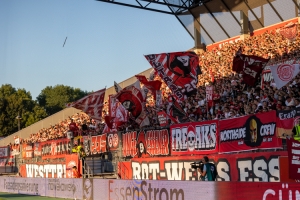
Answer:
(178, 70)
(91, 104)
(132, 99)
(250, 66)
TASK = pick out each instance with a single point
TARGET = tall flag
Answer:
(175, 110)
(118, 115)
(284, 73)
(132, 99)
(178, 70)
(91, 104)
(117, 87)
(250, 66)
(153, 86)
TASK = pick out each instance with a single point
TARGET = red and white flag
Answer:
(153, 86)
(131, 97)
(284, 73)
(91, 104)
(289, 31)
(250, 66)
(178, 70)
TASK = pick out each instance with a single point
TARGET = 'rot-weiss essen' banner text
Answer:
(249, 133)
(247, 167)
(194, 138)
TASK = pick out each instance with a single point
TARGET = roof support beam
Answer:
(275, 11)
(216, 20)
(253, 13)
(195, 18)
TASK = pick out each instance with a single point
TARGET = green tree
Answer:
(17, 102)
(54, 99)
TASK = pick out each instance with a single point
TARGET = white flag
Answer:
(284, 73)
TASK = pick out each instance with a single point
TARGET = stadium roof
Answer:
(219, 19)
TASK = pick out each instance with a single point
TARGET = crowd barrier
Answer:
(94, 189)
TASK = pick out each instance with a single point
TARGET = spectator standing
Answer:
(209, 171)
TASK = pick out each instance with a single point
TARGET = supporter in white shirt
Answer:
(226, 113)
(201, 102)
(289, 101)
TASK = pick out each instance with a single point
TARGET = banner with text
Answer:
(286, 120)
(52, 169)
(252, 167)
(293, 147)
(54, 148)
(146, 143)
(194, 138)
(249, 133)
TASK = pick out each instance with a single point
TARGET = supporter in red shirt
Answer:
(73, 127)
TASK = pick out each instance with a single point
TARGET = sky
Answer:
(105, 43)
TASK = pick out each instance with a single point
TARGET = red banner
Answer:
(194, 138)
(293, 147)
(52, 169)
(54, 148)
(249, 133)
(145, 143)
(252, 167)
(98, 144)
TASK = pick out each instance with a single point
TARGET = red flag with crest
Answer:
(178, 70)
(91, 104)
(132, 99)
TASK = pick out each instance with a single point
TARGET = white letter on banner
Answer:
(59, 171)
(145, 171)
(260, 164)
(136, 170)
(243, 165)
(29, 171)
(154, 168)
(41, 171)
(36, 168)
(176, 173)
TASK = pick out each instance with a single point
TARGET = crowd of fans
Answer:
(79, 123)
(232, 97)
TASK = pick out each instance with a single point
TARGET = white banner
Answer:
(284, 73)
